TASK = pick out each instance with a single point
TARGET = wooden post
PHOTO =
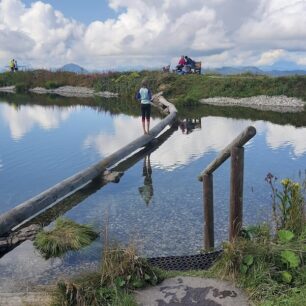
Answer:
(236, 190)
(208, 201)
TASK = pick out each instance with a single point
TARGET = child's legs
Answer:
(148, 115)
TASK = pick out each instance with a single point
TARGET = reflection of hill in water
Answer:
(124, 105)
(130, 107)
(295, 119)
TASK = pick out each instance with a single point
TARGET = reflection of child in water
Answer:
(146, 191)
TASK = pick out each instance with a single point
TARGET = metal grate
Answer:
(185, 263)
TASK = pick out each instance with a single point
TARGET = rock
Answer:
(192, 291)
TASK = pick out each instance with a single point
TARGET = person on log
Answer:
(144, 96)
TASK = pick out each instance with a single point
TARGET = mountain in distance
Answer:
(73, 68)
(253, 70)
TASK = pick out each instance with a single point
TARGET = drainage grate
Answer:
(185, 263)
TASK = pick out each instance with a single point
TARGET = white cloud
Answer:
(270, 57)
(22, 119)
(277, 24)
(153, 32)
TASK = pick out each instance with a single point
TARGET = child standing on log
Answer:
(144, 95)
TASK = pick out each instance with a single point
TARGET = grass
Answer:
(121, 272)
(269, 261)
(182, 90)
(65, 236)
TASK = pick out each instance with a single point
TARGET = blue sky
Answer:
(133, 34)
(85, 11)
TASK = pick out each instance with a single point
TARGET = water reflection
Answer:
(278, 136)
(21, 119)
(125, 130)
(187, 125)
(146, 191)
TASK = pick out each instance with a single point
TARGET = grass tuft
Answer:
(67, 235)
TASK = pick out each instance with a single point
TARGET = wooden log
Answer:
(208, 201)
(66, 204)
(14, 239)
(239, 141)
(45, 217)
(236, 192)
(28, 209)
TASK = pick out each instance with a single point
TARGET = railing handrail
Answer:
(239, 141)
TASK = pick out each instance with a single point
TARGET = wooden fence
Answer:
(236, 151)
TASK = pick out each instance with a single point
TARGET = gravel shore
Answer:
(270, 103)
(73, 91)
(66, 91)
(10, 89)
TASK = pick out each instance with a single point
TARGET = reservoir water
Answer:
(158, 202)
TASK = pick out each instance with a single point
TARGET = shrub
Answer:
(269, 261)
(121, 271)
(287, 204)
(52, 85)
(22, 87)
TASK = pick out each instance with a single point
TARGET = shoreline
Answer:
(281, 103)
(65, 91)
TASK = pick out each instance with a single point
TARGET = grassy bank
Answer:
(121, 272)
(181, 89)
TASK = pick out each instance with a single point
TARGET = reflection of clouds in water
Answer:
(23, 266)
(126, 129)
(278, 136)
(179, 149)
(22, 119)
(215, 134)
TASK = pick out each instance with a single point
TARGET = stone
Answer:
(192, 291)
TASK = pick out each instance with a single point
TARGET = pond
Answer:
(158, 202)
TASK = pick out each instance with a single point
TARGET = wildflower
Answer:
(285, 182)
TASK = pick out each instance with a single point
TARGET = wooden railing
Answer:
(236, 151)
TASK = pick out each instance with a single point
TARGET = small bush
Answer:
(22, 87)
(121, 271)
(187, 101)
(270, 261)
(66, 236)
(52, 85)
(123, 268)
(287, 204)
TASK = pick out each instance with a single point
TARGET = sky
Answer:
(134, 34)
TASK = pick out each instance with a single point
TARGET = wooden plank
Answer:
(29, 208)
(236, 192)
(239, 141)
